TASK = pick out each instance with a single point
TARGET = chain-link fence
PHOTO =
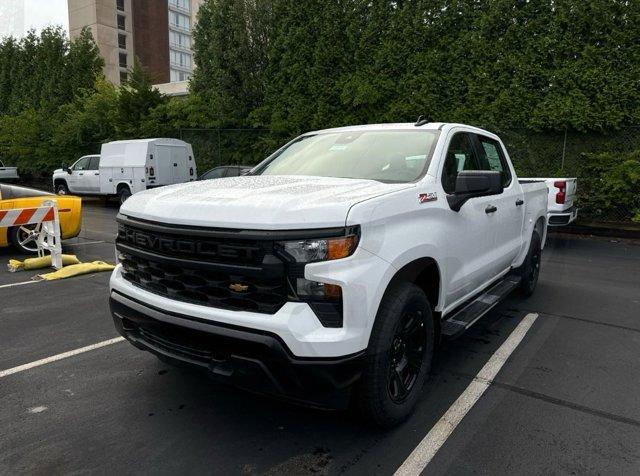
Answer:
(607, 165)
(214, 147)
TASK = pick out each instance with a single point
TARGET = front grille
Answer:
(209, 288)
(236, 275)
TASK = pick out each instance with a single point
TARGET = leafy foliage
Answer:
(610, 183)
(528, 69)
(137, 99)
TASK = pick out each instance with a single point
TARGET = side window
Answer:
(94, 163)
(492, 158)
(82, 164)
(460, 156)
(214, 173)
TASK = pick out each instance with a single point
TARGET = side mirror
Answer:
(69, 170)
(474, 183)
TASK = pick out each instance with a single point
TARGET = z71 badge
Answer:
(427, 197)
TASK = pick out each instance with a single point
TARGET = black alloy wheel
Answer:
(406, 355)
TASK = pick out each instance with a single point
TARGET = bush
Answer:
(609, 186)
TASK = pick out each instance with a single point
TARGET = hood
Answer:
(257, 202)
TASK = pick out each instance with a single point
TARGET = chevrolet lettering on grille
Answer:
(172, 245)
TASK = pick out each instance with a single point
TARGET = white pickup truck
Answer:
(561, 207)
(8, 173)
(329, 274)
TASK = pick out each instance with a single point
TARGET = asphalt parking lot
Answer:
(565, 402)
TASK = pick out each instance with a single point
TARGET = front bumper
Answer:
(562, 218)
(255, 360)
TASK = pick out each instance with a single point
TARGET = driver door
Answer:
(469, 252)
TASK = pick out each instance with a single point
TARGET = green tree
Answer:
(137, 98)
(230, 46)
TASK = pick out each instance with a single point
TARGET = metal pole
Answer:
(564, 148)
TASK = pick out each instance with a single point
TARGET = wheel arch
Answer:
(425, 273)
(541, 227)
(60, 181)
(121, 185)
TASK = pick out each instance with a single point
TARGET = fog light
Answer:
(307, 288)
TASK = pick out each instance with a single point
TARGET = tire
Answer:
(123, 194)
(530, 269)
(62, 189)
(397, 364)
(23, 239)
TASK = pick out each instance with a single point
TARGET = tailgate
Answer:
(556, 188)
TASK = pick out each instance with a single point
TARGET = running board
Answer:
(464, 318)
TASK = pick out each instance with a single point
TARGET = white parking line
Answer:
(437, 436)
(18, 284)
(54, 358)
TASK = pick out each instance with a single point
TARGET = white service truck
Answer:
(126, 167)
(330, 273)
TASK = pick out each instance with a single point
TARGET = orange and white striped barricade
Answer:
(47, 230)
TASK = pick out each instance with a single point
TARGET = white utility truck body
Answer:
(292, 280)
(127, 167)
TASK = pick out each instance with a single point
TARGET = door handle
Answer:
(491, 209)
(80, 173)
(97, 173)
(519, 202)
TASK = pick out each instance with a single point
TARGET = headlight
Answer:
(323, 249)
(301, 252)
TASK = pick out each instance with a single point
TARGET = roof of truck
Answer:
(398, 126)
(145, 141)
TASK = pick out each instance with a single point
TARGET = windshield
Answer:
(386, 156)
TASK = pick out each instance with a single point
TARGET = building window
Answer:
(124, 77)
(181, 4)
(122, 41)
(123, 60)
(177, 75)
(121, 22)
(179, 40)
(178, 20)
(120, 5)
(181, 59)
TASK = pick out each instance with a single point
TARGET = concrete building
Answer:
(11, 18)
(156, 32)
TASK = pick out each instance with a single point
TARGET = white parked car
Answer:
(127, 167)
(330, 273)
(8, 173)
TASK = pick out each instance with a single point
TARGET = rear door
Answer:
(179, 166)
(509, 204)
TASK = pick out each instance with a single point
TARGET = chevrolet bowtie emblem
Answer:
(238, 287)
